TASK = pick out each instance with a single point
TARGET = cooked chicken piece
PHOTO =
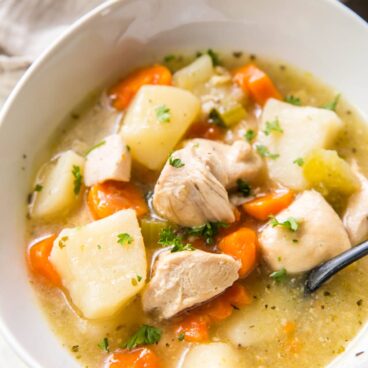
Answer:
(356, 215)
(110, 160)
(184, 279)
(195, 193)
(319, 237)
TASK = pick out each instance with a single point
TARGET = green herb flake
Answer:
(94, 147)
(207, 231)
(333, 104)
(169, 238)
(139, 278)
(181, 336)
(293, 100)
(124, 239)
(169, 58)
(146, 335)
(176, 162)
(299, 161)
(213, 55)
(280, 275)
(99, 246)
(291, 223)
(273, 126)
(104, 345)
(250, 135)
(163, 114)
(77, 179)
(264, 152)
(243, 187)
(38, 188)
(215, 118)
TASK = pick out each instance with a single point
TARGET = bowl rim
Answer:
(61, 41)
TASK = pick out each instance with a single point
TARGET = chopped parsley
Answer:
(163, 114)
(280, 275)
(215, 118)
(250, 135)
(124, 239)
(139, 278)
(213, 55)
(146, 335)
(38, 188)
(169, 238)
(176, 162)
(207, 231)
(299, 161)
(169, 58)
(264, 152)
(243, 187)
(333, 104)
(293, 100)
(180, 247)
(94, 147)
(77, 179)
(104, 345)
(291, 223)
(181, 336)
(273, 126)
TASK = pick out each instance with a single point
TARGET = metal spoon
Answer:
(320, 274)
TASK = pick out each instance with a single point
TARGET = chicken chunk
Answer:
(194, 192)
(356, 214)
(110, 160)
(319, 237)
(184, 279)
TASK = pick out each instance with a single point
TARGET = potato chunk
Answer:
(214, 355)
(331, 176)
(60, 186)
(102, 264)
(155, 122)
(199, 71)
(303, 129)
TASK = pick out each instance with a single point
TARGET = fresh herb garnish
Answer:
(139, 278)
(215, 118)
(280, 275)
(207, 231)
(212, 54)
(38, 188)
(333, 104)
(169, 58)
(124, 239)
(169, 238)
(176, 162)
(163, 114)
(180, 247)
(299, 161)
(293, 100)
(291, 223)
(273, 126)
(181, 336)
(94, 147)
(250, 135)
(243, 187)
(146, 335)
(264, 152)
(77, 179)
(104, 345)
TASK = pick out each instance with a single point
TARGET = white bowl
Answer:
(320, 36)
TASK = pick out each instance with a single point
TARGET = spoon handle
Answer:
(320, 274)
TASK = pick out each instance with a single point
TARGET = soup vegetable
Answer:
(181, 208)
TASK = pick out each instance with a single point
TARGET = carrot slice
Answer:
(194, 328)
(112, 196)
(254, 80)
(122, 93)
(242, 245)
(38, 256)
(263, 207)
(137, 358)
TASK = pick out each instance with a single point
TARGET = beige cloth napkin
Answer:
(27, 27)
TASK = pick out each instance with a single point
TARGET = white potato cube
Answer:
(156, 121)
(304, 129)
(100, 273)
(110, 160)
(214, 355)
(60, 186)
(198, 72)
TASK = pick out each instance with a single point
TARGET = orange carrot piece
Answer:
(122, 93)
(112, 196)
(137, 358)
(242, 245)
(271, 204)
(38, 257)
(238, 296)
(289, 328)
(194, 328)
(254, 80)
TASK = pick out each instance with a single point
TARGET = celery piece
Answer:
(151, 230)
(232, 115)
